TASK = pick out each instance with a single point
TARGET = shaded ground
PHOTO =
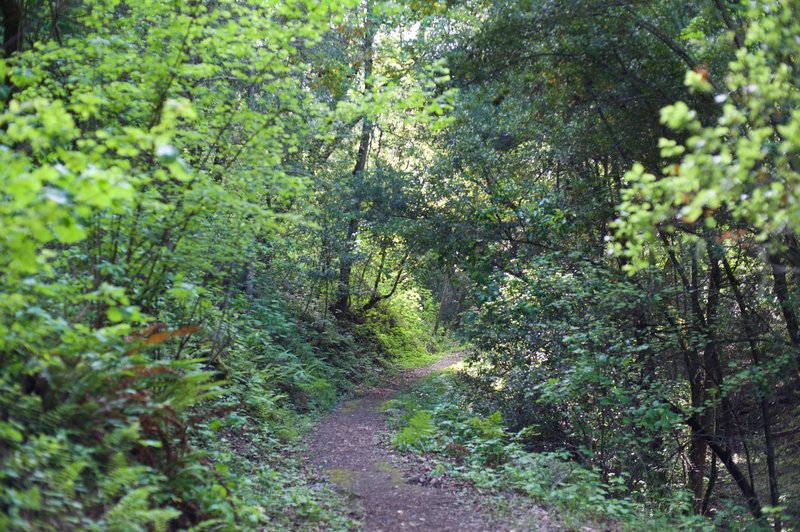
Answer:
(351, 447)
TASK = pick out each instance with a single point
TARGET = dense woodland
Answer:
(218, 216)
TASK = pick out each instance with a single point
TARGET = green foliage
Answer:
(143, 161)
(738, 169)
(480, 449)
(132, 512)
(217, 216)
(99, 440)
(265, 479)
(419, 430)
(728, 187)
(633, 317)
(402, 329)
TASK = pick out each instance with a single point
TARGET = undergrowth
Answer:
(401, 330)
(267, 480)
(282, 374)
(468, 440)
(190, 428)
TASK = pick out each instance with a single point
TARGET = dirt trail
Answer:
(350, 446)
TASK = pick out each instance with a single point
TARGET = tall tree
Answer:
(342, 303)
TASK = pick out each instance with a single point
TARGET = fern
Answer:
(120, 475)
(133, 513)
(418, 433)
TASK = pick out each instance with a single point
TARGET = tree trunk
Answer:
(341, 307)
(442, 304)
(699, 382)
(756, 353)
(13, 26)
(781, 287)
(250, 279)
(726, 457)
(377, 297)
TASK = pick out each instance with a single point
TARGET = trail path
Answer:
(351, 447)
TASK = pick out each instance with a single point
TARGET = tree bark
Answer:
(341, 306)
(377, 298)
(757, 356)
(13, 26)
(726, 457)
(442, 304)
(730, 23)
(781, 288)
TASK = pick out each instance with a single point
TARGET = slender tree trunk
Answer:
(732, 25)
(698, 365)
(781, 287)
(697, 454)
(726, 457)
(698, 381)
(341, 306)
(250, 279)
(440, 314)
(713, 370)
(379, 275)
(459, 306)
(13, 26)
(377, 297)
(766, 414)
(712, 480)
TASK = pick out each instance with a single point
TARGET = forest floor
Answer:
(391, 491)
